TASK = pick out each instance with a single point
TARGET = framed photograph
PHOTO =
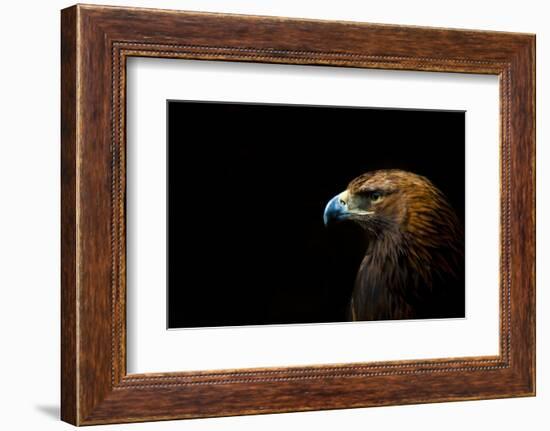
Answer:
(264, 214)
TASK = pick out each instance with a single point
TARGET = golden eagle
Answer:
(413, 265)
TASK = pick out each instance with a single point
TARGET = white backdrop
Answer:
(29, 228)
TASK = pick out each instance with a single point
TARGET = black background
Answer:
(247, 186)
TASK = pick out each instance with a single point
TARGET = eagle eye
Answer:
(375, 197)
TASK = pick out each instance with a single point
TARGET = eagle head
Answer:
(395, 202)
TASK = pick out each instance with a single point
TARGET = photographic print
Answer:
(271, 221)
(283, 220)
(288, 214)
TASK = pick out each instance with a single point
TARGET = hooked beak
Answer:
(336, 209)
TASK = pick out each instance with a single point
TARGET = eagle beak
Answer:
(336, 209)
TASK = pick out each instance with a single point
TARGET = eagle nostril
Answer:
(342, 202)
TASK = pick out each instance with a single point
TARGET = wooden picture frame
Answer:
(95, 43)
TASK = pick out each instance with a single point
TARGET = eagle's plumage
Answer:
(413, 266)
